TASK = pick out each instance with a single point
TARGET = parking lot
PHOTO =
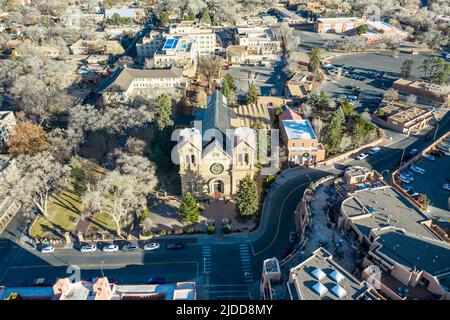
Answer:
(269, 80)
(372, 88)
(431, 184)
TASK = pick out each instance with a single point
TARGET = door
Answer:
(218, 189)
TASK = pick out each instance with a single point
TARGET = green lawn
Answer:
(63, 214)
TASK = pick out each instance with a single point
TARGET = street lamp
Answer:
(435, 132)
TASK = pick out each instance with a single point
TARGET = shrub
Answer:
(147, 233)
(211, 229)
(178, 231)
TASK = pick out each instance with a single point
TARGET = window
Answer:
(187, 159)
(193, 159)
(246, 158)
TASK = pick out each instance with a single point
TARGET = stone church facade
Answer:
(215, 156)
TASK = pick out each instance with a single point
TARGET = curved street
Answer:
(224, 268)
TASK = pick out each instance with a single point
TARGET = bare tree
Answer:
(35, 179)
(210, 67)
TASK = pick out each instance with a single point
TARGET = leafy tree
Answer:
(189, 209)
(27, 138)
(405, 71)
(164, 19)
(247, 198)
(315, 59)
(252, 94)
(347, 107)
(319, 101)
(362, 29)
(163, 111)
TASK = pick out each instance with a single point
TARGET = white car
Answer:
(418, 169)
(374, 150)
(151, 246)
(88, 248)
(429, 157)
(446, 186)
(362, 156)
(48, 249)
(110, 248)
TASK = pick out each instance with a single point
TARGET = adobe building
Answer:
(404, 118)
(300, 139)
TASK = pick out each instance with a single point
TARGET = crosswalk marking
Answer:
(206, 252)
(246, 263)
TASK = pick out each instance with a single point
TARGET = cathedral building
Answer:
(217, 152)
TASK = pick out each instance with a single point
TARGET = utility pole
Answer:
(403, 154)
(435, 132)
(101, 268)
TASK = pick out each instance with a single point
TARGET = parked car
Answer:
(362, 156)
(446, 186)
(42, 282)
(88, 248)
(156, 280)
(48, 249)
(413, 193)
(110, 248)
(408, 174)
(175, 246)
(407, 188)
(404, 179)
(151, 246)
(417, 169)
(374, 150)
(292, 236)
(130, 247)
(438, 153)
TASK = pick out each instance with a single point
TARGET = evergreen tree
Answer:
(163, 110)
(332, 133)
(230, 80)
(225, 89)
(315, 59)
(247, 197)
(252, 95)
(188, 209)
(205, 18)
(405, 71)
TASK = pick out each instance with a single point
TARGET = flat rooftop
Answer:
(432, 256)
(356, 171)
(342, 19)
(389, 209)
(299, 129)
(320, 278)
